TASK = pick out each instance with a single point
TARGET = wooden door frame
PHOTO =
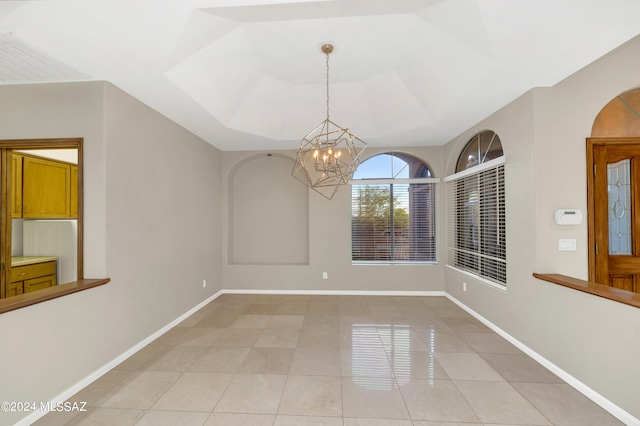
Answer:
(5, 212)
(5, 199)
(594, 258)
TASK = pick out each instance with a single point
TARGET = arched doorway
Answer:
(613, 188)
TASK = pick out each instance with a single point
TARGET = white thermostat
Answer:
(568, 217)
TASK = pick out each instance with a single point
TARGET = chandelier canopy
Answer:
(329, 154)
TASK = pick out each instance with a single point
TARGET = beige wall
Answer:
(329, 241)
(597, 341)
(268, 213)
(152, 225)
(138, 168)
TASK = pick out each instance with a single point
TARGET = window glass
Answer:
(483, 147)
(392, 166)
(619, 207)
(476, 211)
(393, 221)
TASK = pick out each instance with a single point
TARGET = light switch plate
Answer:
(567, 244)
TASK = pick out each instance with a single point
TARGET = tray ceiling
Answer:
(249, 74)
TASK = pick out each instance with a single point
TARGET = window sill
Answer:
(393, 263)
(486, 281)
(616, 294)
(28, 299)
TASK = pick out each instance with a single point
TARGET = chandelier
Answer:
(329, 154)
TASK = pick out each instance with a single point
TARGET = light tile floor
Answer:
(331, 360)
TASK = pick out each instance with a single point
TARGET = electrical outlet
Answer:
(204, 283)
(464, 286)
(325, 275)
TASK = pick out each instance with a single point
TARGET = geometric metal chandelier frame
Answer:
(329, 154)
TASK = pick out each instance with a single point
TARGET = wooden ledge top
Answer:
(611, 293)
(28, 299)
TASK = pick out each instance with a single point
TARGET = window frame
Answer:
(399, 181)
(454, 215)
(62, 289)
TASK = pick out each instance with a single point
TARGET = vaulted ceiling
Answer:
(249, 74)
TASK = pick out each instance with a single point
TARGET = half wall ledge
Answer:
(616, 294)
(28, 299)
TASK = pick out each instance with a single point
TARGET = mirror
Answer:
(41, 215)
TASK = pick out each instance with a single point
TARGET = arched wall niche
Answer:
(620, 117)
(268, 213)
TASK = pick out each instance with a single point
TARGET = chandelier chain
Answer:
(327, 85)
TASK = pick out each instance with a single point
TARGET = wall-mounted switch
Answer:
(567, 244)
(204, 283)
(325, 275)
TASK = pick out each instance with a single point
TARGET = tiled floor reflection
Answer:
(335, 361)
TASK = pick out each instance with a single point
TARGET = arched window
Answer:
(393, 210)
(483, 147)
(476, 210)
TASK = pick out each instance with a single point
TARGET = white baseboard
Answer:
(607, 405)
(64, 396)
(594, 396)
(337, 292)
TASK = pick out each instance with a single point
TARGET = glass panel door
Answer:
(619, 189)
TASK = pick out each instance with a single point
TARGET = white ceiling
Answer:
(249, 74)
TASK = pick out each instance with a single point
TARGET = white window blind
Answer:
(393, 222)
(476, 224)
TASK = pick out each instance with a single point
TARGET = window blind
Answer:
(476, 239)
(393, 222)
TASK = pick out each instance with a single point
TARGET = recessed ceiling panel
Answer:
(249, 74)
